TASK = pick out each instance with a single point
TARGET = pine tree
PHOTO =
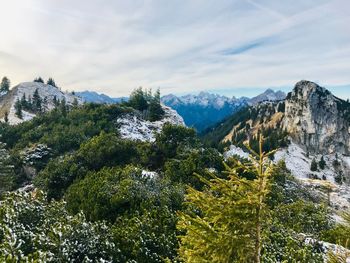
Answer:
(75, 103)
(5, 85)
(63, 107)
(322, 163)
(155, 110)
(37, 101)
(24, 102)
(6, 117)
(45, 104)
(314, 165)
(39, 79)
(55, 101)
(18, 108)
(51, 82)
(225, 222)
(138, 100)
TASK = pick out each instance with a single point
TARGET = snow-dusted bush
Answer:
(31, 229)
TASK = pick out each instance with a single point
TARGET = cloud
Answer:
(180, 46)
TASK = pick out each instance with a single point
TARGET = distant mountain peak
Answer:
(94, 97)
(268, 95)
(206, 109)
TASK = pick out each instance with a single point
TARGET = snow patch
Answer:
(236, 151)
(133, 126)
(299, 163)
(149, 174)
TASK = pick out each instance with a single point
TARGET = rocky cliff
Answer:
(317, 120)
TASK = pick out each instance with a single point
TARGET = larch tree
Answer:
(226, 221)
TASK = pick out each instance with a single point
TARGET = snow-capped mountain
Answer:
(268, 95)
(92, 96)
(206, 109)
(46, 92)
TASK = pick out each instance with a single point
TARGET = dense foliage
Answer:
(147, 103)
(108, 199)
(251, 220)
(33, 230)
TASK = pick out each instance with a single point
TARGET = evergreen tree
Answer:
(138, 100)
(24, 102)
(37, 101)
(45, 104)
(63, 106)
(6, 117)
(225, 222)
(51, 82)
(155, 110)
(5, 85)
(30, 103)
(314, 165)
(75, 103)
(18, 108)
(322, 163)
(56, 102)
(39, 79)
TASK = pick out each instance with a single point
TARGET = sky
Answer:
(180, 46)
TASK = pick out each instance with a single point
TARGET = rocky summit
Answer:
(316, 119)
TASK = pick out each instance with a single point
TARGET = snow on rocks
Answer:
(45, 91)
(326, 247)
(27, 188)
(236, 151)
(36, 153)
(133, 126)
(296, 160)
(149, 174)
(299, 163)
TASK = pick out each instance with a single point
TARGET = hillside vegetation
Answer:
(98, 197)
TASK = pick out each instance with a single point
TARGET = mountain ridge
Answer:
(47, 93)
(205, 109)
(95, 97)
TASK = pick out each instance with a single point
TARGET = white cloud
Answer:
(179, 46)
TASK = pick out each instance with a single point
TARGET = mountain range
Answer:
(92, 96)
(117, 153)
(205, 109)
(198, 111)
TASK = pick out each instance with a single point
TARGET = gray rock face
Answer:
(317, 120)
